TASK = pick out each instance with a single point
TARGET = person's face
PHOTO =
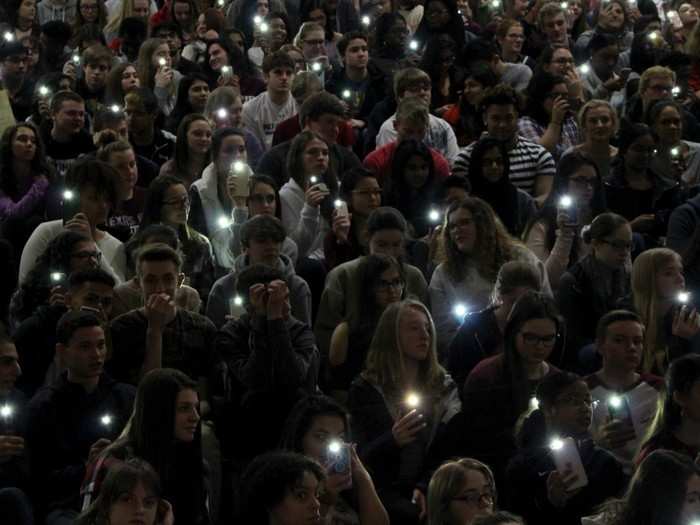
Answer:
(70, 118)
(415, 334)
(315, 157)
(558, 91)
(182, 13)
(199, 137)
(462, 230)
(158, 277)
(436, 14)
(328, 126)
(161, 52)
(125, 164)
(135, 506)
(422, 90)
(639, 154)
(599, 125)
(201, 27)
(407, 129)
(622, 346)
(582, 184)
(575, 9)
(84, 355)
(615, 249)
(130, 79)
(176, 205)
(218, 57)
(323, 430)
(262, 7)
(657, 88)
(263, 251)
(366, 197)
(15, 66)
(454, 194)
(572, 411)
(137, 118)
(89, 10)
(300, 505)
(314, 45)
(357, 54)
(473, 500)
(519, 8)
(27, 10)
(278, 32)
(96, 75)
(397, 35)
(611, 16)
(472, 91)
(535, 340)
(515, 37)
(172, 39)
(493, 165)
(416, 172)
(669, 126)
(388, 288)
(688, 14)
(9, 367)
(604, 60)
(24, 144)
(387, 242)
(691, 505)
(198, 95)
(232, 149)
(93, 295)
(669, 279)
(501, 122)
(555, 28)
(141, 8)
(561, 63)
(95, 205)
(318, 16)
(84, 256)
(186, 415)
(262, 200)
(279, 80)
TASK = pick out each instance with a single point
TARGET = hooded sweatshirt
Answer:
(62, 10)
(221, 299)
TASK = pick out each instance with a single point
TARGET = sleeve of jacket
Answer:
(441, 305)
(25, 205)
(217, 304)
(196, 218)
(301, 300)
(331, 310)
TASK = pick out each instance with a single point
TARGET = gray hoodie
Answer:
(221, 296)
(49, 10)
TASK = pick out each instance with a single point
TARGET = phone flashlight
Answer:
(556, 444)
(683, 297)
(238, 300)
(313, 179)
(412, 400)
(222, 113)
(8, 36)
(653, 36)
(44, 91)
(264, 28)
(434, 216)
(615, 401)
(57, 277)
(316, 66)
(495, 4)
(460, 310)
(584, 69)
(366, 20)
(676, 91)
(566, 201)
(675, 151)
(413, 45)
(346, 94)
(162, 62)
(76, 59)
(68, 195)
(106, 420)
(225, 70)
(6, 411)
(534, 403)
(257, 19)
(335, 446)
(220, 3)
(223, 222)
(564, 5)
(114, 108)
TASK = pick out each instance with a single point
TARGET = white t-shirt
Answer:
(261, 116)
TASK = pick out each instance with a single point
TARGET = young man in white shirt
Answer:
(262, 114)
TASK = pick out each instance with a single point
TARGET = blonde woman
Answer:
(155, 70)
(401, 404)
(461, 491)
(671, 326)
(118, 11)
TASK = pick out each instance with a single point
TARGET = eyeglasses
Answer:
(533, 339)
(618, 245)
(485, 498)
(262, 199)
(584, 181)
(368, 193)
(396, 284)
(314, 42)
(85, 254)
(182, 201)
(452, 227)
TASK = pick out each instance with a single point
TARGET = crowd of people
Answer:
(349, 262)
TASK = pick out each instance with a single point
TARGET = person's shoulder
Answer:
(129, 320)
(524, 145)
(487, 370)
(223, 283)
(254, 102)
(194, 319)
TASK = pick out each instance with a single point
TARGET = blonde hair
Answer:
(126, 11)
(645, 269)
(304, 30)
(596, 104)
(384, 366)
(447, 482)
(655, 72)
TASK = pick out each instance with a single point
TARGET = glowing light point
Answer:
(366, 20)
(683, 297)
(556, 444)
(413, 400)
(238, 300)
(224, 222)
(460, 310)
(413, 45)
(584, 69)
(221, 113)
(334, 447)
(6, 411)
(44, 91)
(106, 420)
(566, 201)
(615, 401)
(434, 215)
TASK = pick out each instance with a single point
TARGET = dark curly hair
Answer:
(39, 164)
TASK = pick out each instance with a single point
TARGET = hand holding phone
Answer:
(568, 462)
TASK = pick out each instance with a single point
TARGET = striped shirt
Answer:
(527, 162)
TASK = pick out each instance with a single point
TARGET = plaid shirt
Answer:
(532, 131)
(188, 345)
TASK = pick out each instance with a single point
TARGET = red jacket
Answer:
(380, 161)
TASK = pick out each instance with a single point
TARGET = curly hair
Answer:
(39, 164)
(494, 245)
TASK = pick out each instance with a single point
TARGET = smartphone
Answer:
(226, 72)
(567, 458)
(57, 278)
(240, 171)
(567, 203)
(321, 186)
(236, 307)
(338, 460)
(619, 409)
(70, 204)
(7, 419)
(341, 208)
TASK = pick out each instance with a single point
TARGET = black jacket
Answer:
(373, 90)
(64, 421)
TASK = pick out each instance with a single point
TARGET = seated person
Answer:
(161, 334)
(619, 342)
(262, 237)
(89, 289)
(70, 422)
(148, 139)
(271, 357)
(565, 412)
